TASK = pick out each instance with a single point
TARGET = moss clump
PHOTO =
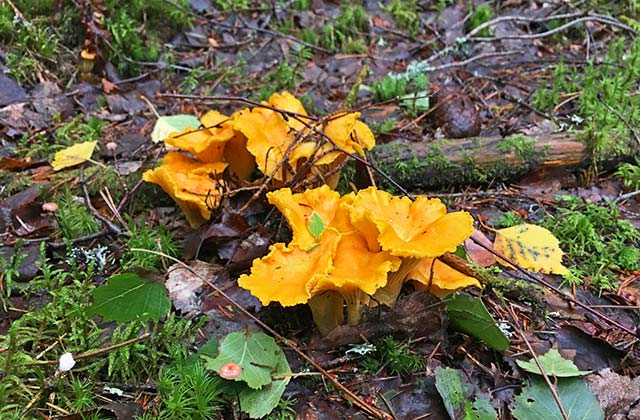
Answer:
(523, 147)
(596, 241)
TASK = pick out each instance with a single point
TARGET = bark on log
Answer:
(481, 160)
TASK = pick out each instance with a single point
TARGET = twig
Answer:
(278, 34)
(552, 388)
(626, 196)
(518, 18)
(376, 412)
(601, 19)
(471, 60)
(236, 99)
(558, 291)
(93, 353)
(110, 225)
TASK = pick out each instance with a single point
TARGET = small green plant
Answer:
(394, 356)
(227, 5)
(74, 219)
(145, 237)
(405, 14)
(346, 34)
(596, 241)
(508, 219)
(389, 88)
(630, 175)
(301, 4)
(287, 75)
(284, 411)
(189, 391)
(481, 14)
(76, 131)
(383, 127)
(9, 270)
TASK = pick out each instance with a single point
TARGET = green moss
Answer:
(12, 182)
(596, 241)
(630, 175)
(405, 14)
(605, 88)
(480, 14)
(523, 147)
(137, 27)
(394, 356)
(74, 218)
(513, 289)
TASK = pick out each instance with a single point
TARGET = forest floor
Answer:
(96, 262)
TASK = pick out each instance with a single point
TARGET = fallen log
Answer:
(442, 164)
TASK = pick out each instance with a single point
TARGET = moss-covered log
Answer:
(479, 160)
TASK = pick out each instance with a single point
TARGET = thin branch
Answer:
(601, 19)
(236, 99)
(552, 388)
(558, 291)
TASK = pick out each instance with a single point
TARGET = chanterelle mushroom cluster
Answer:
(357, 250)
(279, 138)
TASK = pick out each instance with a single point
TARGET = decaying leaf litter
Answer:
(498, 111)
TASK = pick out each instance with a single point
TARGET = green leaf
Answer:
(315, 225)
(127, 297)
(471, 316)
(258, 403)
(210, 349)
(479, 410)
(256, 353)
(553, 365)
(172, 123)
(536, 401)
(455, 394)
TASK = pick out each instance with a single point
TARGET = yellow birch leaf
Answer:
(73, 155)
(531, 247)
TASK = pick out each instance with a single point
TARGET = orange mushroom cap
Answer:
(439, 278)
(297, 208)
(190, 183)
(347, 133)
(288, 274)
(200, 143)
(417, 229)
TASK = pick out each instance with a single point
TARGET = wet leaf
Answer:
(127, 297)
(172, 123)
(256, 353)
(73, 155)
(456, 394)
(531, 247)
(553, 364)
(537, 403)
(471, 316)
(315, 224)
(260, 402)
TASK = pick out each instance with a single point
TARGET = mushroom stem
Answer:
(354, 312)
(326, 309)
(388, 294)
